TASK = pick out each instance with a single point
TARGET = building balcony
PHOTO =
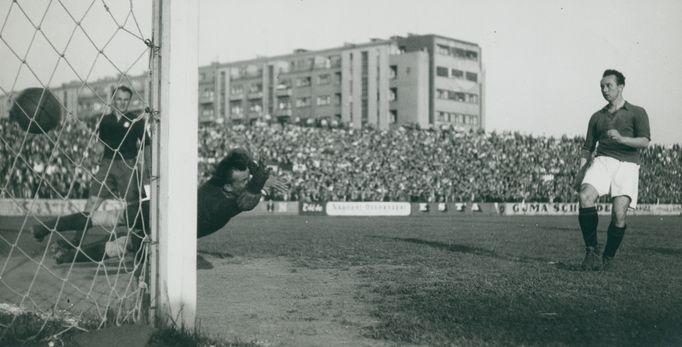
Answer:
(255, 95)
(252, 76)
(283, 112)
(236, 96)
(286, 91)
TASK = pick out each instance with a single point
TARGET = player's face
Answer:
(610, 89)
(239, 181)
(121, 101)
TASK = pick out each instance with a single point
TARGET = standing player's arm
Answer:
(641, 137)
(634, 142)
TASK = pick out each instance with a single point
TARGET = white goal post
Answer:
(174, 171)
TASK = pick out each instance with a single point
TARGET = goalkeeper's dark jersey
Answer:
(216, 206)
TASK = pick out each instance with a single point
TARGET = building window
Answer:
(472, 76)
(303, 82)
(323, 79)
(441, 71)
(458, 52)
(473, 98)
(337, 77)
(443, 50)
(207, 94)
(236, 107)
(255, 106)
(207, 113)
(335, 60)
(457, 96)
(237, 89)
(256, 87)
(472, 55)
(323, 100)
(302, 102)
(283, 84)
(337, 99)
(441, 117)
(283, 103)
(457, 73)
(393, 94)
(393, 72)
(393, 116)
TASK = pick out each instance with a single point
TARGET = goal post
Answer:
(174, 187)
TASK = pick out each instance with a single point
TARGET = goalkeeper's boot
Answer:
(63, 255)
(40, 231)
(592, 261)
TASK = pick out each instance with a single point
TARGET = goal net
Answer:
(74, 233)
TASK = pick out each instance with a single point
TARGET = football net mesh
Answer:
(81, 51)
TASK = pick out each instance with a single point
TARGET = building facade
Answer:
(92, 99)
(424, 80)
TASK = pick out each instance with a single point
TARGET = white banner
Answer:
(368, 208)
(569, 209)
(51, 207)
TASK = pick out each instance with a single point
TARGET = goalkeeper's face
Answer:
(122, 100)
(239, 180)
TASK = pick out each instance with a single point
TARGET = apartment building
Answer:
(425, 80)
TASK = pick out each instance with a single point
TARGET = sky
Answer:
(543, 59)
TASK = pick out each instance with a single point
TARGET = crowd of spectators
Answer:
(345, 164)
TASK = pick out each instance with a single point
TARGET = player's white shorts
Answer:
(613, 177)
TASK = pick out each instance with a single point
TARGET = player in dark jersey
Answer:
(621, 129)
(236, 186)
(121, 134)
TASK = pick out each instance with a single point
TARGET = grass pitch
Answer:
(486, 281)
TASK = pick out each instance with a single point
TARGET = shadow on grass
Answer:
(660, 250)
(220, 255)
(466, 249)
(461, 315)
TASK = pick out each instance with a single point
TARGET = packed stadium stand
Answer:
(342, 164)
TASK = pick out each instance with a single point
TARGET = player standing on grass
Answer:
(621, 129)
(236, 186)
(121, 134)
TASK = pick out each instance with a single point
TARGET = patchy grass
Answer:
(491, 281)
(30, 330)
(169, 337)
(471, 281)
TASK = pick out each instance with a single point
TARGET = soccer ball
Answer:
(36, 110)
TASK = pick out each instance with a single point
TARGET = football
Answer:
(36, 110)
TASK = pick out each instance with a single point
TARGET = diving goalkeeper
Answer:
(236, 185)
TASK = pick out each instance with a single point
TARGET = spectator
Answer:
(351, 164)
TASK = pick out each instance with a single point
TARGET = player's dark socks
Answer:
(588, 219)
(80, 223)
(76, 221)
(95, 251)
(89, 253)
(613, 240)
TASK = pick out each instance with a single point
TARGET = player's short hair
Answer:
(620, 78)
(122, 88)
(237, 159)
